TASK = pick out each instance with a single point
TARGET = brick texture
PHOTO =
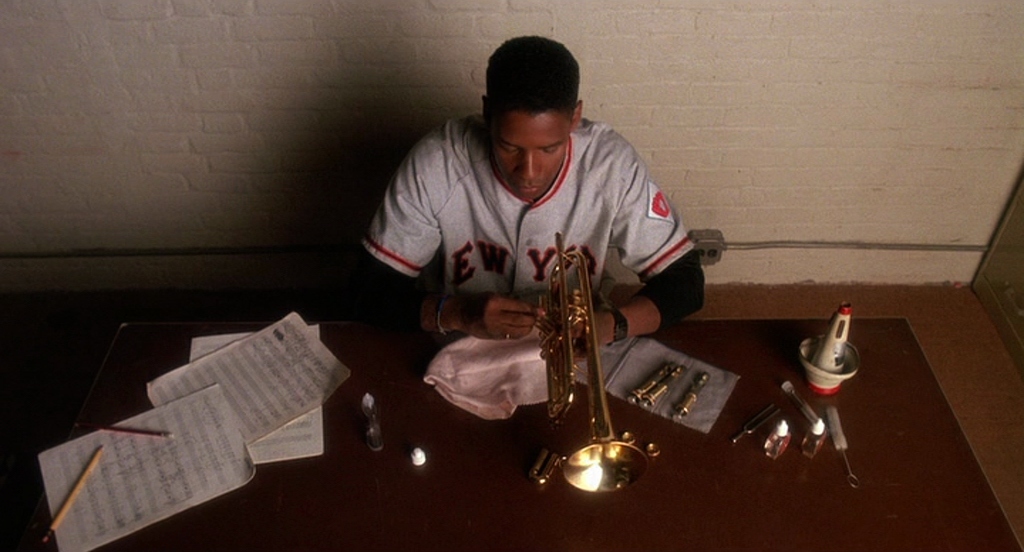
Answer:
(168, 125)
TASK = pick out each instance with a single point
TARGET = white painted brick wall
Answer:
(178, 125)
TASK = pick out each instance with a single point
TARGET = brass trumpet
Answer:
(606, 463)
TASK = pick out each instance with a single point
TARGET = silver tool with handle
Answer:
(839, 440)
(760, 418)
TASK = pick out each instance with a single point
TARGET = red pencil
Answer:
(136, 431)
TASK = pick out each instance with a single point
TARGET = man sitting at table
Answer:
(464, 238)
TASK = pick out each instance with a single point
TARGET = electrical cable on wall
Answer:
(785, 244)
(710, 243)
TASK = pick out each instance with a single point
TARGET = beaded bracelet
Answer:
(440, 305)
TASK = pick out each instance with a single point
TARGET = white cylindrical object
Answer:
(418, 457)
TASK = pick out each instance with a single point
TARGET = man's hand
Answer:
(493, 316)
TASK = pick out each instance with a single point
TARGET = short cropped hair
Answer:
(532, 74)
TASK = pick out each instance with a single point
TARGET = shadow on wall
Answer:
(349, 135)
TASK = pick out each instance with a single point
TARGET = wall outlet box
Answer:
(710, 244)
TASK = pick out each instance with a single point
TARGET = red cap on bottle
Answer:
(845, 308)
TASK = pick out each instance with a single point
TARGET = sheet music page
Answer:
(302, 437)
(269, 378)
(142, 479)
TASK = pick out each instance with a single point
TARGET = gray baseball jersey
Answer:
(449, 201)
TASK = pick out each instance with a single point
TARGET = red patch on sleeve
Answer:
(659, 205)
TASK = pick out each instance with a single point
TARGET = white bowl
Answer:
(822, 381)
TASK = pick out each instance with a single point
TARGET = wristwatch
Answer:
(621, 324)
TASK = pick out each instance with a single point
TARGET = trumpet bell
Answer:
(604, 466)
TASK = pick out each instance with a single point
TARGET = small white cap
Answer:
(418, 457)
(782, 429)
(819, 427)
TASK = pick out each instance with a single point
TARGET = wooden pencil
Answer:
(70, 500)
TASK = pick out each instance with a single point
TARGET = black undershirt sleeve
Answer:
(381, 296)
(677, 291)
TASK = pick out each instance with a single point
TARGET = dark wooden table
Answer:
(921, 486)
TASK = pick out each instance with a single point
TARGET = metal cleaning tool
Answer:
(800, 403)
(839, 440)
(760, 418)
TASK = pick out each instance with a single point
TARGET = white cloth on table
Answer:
(490, 378)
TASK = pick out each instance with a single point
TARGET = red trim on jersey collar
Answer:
(392, 255)
(559, 180)
(657, 262)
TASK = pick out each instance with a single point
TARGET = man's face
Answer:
(530, 148)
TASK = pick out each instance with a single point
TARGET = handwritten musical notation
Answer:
(269, 378)
(302, 437)
(220, 411)
(140, 481)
